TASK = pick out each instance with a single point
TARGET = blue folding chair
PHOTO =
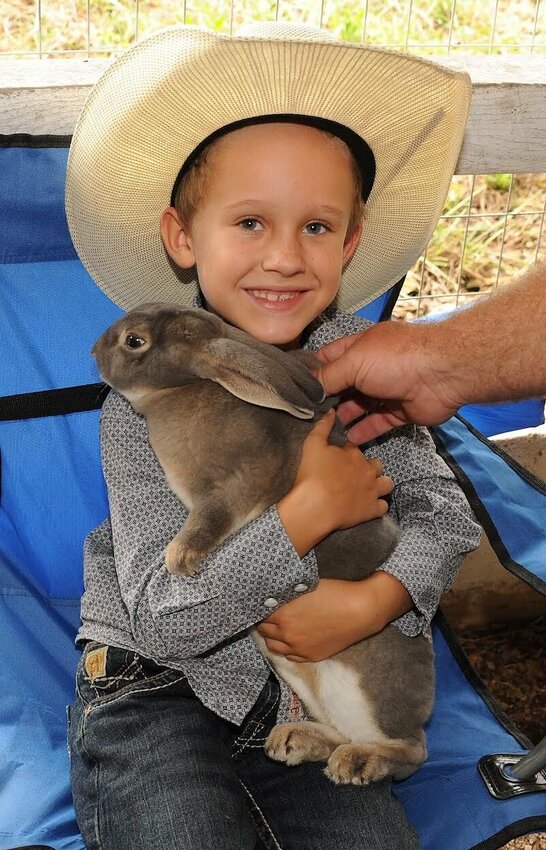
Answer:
(53, 494)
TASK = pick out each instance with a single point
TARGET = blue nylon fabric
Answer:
(491, 419)
(374, 309)
(32, 181)
(505, 495)
(53, 494)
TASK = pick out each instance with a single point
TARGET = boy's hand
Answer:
(335, 615)
(334, 488)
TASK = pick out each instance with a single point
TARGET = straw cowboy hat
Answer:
(403, 116)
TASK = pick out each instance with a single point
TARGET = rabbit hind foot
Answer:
(294, 743)
(361, 764)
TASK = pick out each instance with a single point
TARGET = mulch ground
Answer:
(512, 662)
(529, 842)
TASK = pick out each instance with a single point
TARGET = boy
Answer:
(174, 702)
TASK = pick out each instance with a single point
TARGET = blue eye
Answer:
(249, 224)
(316, 227)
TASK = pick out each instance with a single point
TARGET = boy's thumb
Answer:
(325, 424)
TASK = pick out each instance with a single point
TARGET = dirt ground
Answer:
(528, 842)
(512, 662)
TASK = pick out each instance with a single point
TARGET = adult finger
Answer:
(335, 349)
(341, 373)
(373, 426)
(350, 409)
(337, 376)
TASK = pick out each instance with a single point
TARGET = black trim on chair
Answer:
(53, 402)
(480, 510)
(386, 312)
(535, 823)
(532, 479)
(476, 682)
(26, 140)
(525, 826)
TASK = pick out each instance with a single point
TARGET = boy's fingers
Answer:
(324, 425)
(277, 646)
(385, 485)
(377, 465)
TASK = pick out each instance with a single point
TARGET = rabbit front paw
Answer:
(357, 764)
(294, 743)
(181, 559)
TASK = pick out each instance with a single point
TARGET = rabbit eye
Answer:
(134, 341)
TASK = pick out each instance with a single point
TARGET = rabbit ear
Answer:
(253, 376)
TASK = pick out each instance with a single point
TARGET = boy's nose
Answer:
(283, 255)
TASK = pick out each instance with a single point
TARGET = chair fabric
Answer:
(53, 494)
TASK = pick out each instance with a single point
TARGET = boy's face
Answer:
(269, 237)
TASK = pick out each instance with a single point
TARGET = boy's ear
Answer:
(176, 239)
(351, 243)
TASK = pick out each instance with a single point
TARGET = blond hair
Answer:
(193, 185)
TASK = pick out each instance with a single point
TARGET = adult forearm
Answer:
(494, 351)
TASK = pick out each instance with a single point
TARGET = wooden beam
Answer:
(506, 130)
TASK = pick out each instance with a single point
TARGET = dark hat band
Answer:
(361, 151)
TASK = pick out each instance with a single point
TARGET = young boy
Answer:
(174, 702)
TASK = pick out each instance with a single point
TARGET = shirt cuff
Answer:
(247, 578)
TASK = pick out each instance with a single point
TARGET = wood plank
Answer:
(506, 131)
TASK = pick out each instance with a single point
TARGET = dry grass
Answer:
(493, 230)
(438, 26)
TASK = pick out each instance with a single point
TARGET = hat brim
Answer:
(156, 103)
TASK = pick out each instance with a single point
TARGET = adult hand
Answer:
(392, 379)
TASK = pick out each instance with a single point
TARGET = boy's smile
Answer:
(269, 237)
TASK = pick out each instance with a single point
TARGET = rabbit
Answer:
(245, 408)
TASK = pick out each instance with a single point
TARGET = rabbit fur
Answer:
(245, 407)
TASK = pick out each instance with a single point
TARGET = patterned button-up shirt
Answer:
(200, 625)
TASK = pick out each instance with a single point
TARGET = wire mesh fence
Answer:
(493, 227)
(440, 27)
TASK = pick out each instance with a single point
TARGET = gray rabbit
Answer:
(245, 408)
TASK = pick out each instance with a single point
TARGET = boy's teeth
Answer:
(273, 296)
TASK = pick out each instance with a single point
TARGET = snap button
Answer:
(301, 588)
(271, 603)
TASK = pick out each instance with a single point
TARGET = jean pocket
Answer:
(106, 671)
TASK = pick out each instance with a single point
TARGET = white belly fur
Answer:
(337, 699)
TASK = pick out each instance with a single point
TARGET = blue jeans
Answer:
(154, 769)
